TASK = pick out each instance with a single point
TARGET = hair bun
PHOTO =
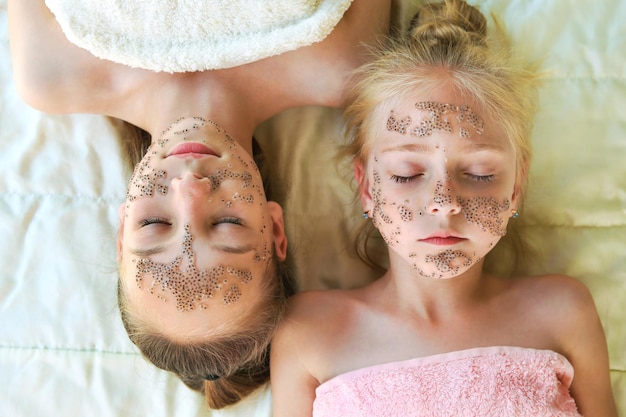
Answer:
(448, 21)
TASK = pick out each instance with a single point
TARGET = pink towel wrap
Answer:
(492, 381)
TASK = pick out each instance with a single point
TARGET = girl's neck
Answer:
(402, 287)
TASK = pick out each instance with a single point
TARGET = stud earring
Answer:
(514, 214)
(366, 215)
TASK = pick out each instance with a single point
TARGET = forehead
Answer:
(182, 299)
(160, 310)
(427, 119)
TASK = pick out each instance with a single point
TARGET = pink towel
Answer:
(492, 381)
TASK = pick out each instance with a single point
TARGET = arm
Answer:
(293, 387)
(317, 74)
(50, 73)
(585, 346)
(365, 24)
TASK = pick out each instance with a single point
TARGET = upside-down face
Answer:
(197, 232)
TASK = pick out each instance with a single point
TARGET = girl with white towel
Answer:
(200, 246)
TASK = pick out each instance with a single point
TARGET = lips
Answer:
(195, 150)
(443, 240)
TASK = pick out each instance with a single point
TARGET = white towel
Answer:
(191, 35)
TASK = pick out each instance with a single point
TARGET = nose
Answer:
(443, 201)
(191, 198)
(191, 184)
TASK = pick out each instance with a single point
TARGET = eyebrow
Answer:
(144, 253)
(410, 147)
(424, 148)
(482, 146)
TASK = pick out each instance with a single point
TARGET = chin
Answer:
(444, 265)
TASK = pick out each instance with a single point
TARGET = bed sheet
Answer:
(63, 350)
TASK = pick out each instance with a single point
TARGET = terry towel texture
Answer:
(493, 381)
(189, 35)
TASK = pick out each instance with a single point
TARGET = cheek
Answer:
(392, 216)
(244, 189)
(146, 180)
(489, 214)
(382, 211)
(406, 214)
(241, 176)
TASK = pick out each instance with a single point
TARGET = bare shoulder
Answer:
(321, 309)
(562, 306)
(559, 292)
(316, 321)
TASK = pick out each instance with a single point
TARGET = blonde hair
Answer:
(446, 45)
(238, 357)
(450, 38)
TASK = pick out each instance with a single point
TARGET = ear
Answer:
(278, 229)
(360, 175)
(120, 232)
(518, 189)
(515, 197)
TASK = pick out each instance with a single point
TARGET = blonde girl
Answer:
(439, 125)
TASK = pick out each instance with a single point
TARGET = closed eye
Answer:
(480, 178)
(153, 220)
(230, 220)
(401, 180)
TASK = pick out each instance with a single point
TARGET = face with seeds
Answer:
(197, 232)
(438, 183)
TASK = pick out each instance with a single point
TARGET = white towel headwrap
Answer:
(191, 35)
